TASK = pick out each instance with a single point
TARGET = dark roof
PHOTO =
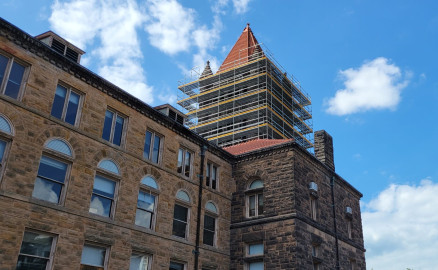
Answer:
(256, 144)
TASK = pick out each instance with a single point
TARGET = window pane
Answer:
(187, 164)
(213, 177)
(59, 101)
(4, 126)
(209, 223)
(109, 165)
(143, 218)
(179, 228)
(104, 187)
(256, 184)
(256, 249)
(2, 150)
(176, 266)
(146, 201)
(59, 146)
(139, 262)
(256, 266)
(180, 160)
(252, 206)
(149, 181)
(100, 206)
(156, 149)
(52, 169)
(31, 263)
(180, 213)
(94, 256)
(72, 108)
(260, 200)
(147, 145)
(118, 131)
(208, 238)
(47, 190)
(107, 125)
(3, 63)
(14, 82)
(211, 207)
(207, 177)
(36, 244)
(182, 195)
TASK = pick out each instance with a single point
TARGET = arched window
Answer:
(254, 198)
(104, 189)
(181, 214)
(146, 203)
(209, 235)
(6, 130)
(53, 172)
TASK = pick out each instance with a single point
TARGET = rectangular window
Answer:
(93, 257)
(145, 209)
(176, 266)
(211, 177)
(184, 162)
(209, 230)
(152, 146)
(255, 249)
(36, 251)
(3, 145)
(139, 262)
(50, 180)
(313, 208)
(255, 204)
(102, 199)
(11, 76)
(66, 104)
(113, 127)
(256, 266)
(180, 216)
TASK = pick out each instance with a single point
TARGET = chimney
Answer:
(324, 148)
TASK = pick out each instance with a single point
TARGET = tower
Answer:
(249, 97)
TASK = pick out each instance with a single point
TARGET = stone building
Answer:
(93, 178)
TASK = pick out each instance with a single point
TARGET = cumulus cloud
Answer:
(114, 25)
(377, 84)
(401, 227)
(241, 6)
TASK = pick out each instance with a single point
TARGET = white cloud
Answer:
(114, 25)
(241, 6)
(401, 227)
(377, 84)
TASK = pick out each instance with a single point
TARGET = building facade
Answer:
(93, 178)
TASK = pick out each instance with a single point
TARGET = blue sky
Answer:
(370, 68)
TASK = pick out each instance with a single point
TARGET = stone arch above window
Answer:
(149, 181)
(183, 196)
(256, 184)
(109, 166)
(211, 207)
(5, 125)
(59, 146)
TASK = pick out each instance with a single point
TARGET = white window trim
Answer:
(251, 192)
(188, 206)
(3, 83)
(150, 257)
(154, 192)
(151, 147)
(64, 108)
(178, 261)
(209, 167)
(183, 170)
(113, 125)
(52, 248)
(98, 245)
(112, 177)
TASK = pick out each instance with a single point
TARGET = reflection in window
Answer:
(151, 149)
(35, 251)
(11, 76)
(209, 230)
(102, 199)
(180, 217)
(139, 262)
(113, 127)
(50, 180)
(66, 104)
(255, 199)
(184, 162)
(211, 177)
(93, 257)
(176, 266)
(145, 209)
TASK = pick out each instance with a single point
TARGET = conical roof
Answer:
(242, 50)
(207, 71)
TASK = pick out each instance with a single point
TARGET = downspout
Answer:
(198, 221)
(332, 185)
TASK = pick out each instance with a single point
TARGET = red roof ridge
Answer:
(254, 144)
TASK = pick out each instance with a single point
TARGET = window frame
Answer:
(52, 247)
(111, 177)
(97, 245)
(113, 122)
(152, 191)
(254, 258)
(4, 82)
(151, 146)
(254, 192)
(179, 262)
(214, 216)
(187, 205)
(149, 264)
(314, 208)
(183, 162)
(66, 101)
(7, 138)
(208, 179)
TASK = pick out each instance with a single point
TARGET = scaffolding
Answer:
(251, 97)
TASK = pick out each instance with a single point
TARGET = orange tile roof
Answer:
(253, 145)
(242, 50)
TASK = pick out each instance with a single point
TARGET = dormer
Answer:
(172, 113)
(61, 46)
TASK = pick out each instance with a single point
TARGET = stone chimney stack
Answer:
(324, 148)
